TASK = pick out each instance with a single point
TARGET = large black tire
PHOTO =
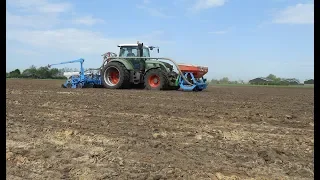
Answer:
(161, 78)
(123, 80)
(197, 89)
(68, 85)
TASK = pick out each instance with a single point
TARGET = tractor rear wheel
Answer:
(156, 79)
(115, 76)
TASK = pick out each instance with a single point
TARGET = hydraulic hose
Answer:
(174, 62)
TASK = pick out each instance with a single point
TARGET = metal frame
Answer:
(198, 85)
(82, 80)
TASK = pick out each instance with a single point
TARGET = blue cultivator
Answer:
(81, 80)
(198, 84)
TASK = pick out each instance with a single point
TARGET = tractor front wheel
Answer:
(156, 79)
(115, 76)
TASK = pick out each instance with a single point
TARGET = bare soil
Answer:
(220, 133)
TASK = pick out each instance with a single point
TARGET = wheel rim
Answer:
(154, 81)
(111, 76)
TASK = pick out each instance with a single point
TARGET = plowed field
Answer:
(220, 133)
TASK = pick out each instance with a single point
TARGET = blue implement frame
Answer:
(199, 84)
(82, 80)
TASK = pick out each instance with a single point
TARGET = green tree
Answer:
(214, 81)
(54, 73)
(14, 74)
(224, 80)
(275, 80)
(43, 73)
(272, 77)
(30, 72)
(309, 81)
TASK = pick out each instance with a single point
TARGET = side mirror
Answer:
(158, 50)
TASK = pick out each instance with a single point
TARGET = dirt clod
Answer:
(9, 155)
(156, 135)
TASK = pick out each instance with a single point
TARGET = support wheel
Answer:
(156, 79)
(68, 85)
(196, 89)
(115, 76)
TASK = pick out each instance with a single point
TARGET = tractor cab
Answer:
(136, 50)
(133, 50)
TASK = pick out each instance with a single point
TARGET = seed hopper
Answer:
(134, 67)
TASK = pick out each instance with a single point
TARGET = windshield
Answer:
(132, 51)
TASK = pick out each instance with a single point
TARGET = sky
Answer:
(238, 39)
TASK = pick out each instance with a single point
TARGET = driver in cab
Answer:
(130, 53)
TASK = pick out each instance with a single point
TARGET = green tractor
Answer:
(134, 67)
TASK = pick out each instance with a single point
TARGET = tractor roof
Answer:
(133, 45)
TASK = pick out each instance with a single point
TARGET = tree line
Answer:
(225, 80)
(45, 72)
(39, 73)
(272, 80)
